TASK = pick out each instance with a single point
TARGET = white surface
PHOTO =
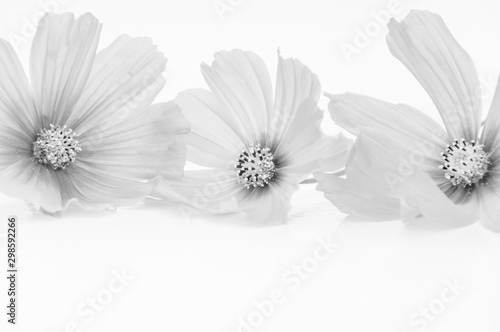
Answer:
(205, 274)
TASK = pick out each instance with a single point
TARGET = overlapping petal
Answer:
(213, 190)
(490, 136)
(209, 147)
(372, 179)
(425, 201)
(34, 183)
(273, 205)
(295, 83)
(303, 146)
(423, 43)
(62, 56)
(490, 211)
(17, 107)
(241, 82)
(141, 147)
(125, 143)
(384, 156)
(393, 166)
(239, 113)
(125, 78)
(361, 199)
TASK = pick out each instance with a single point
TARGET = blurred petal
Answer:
(207, 153)
(125, 78)
(294, 84)
(335, 151)
(423, 43)
(62, 55)
(19, 123)
(34, 183)
(236, 115)
(273, 206)
(426, 202)
(304, 146)
(212, 141)
(357, 198)
(241, 82)
(203, 111)
(415, 138)
(352, 111)
(116, 165)
(96, 189)
(140, 148)
(14, 146)
(385, 154)
(301, 134)
(214, 190)
(489, 194)
(374, 177)
(17, 108)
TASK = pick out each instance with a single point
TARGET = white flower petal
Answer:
(426, 202)
(294, 84)
(15, 145)
(491, 132)
(358, 198)
(116, 165)
(142, 147)
(490, 214)
(204, 112)
(125, 78)
(335, 151)
(62, 55)
(34, 183)
(207, 153)
(384, 156)
(301, 133)
(372, 184)
(423, 43)
(417, 138)
(94, 189)
(328, 154)
(241, 81)
(272, 206)
(212, 141)
(490, 206)
(303, 146)
(17, 108)
(352, 111)
(213, 190)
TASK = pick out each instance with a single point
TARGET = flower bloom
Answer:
(405, 165)
(83, 129)
(255, 151)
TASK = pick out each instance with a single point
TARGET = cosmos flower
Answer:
(254, 151)
(405, 165)
(83, 129)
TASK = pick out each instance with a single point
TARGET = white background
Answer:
(206, 274)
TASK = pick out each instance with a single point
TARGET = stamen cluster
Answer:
(255, 167)
(56, 147)
(465, 163)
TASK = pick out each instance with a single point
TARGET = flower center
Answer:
(465, 163)
(255, 167)
(56, 147)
